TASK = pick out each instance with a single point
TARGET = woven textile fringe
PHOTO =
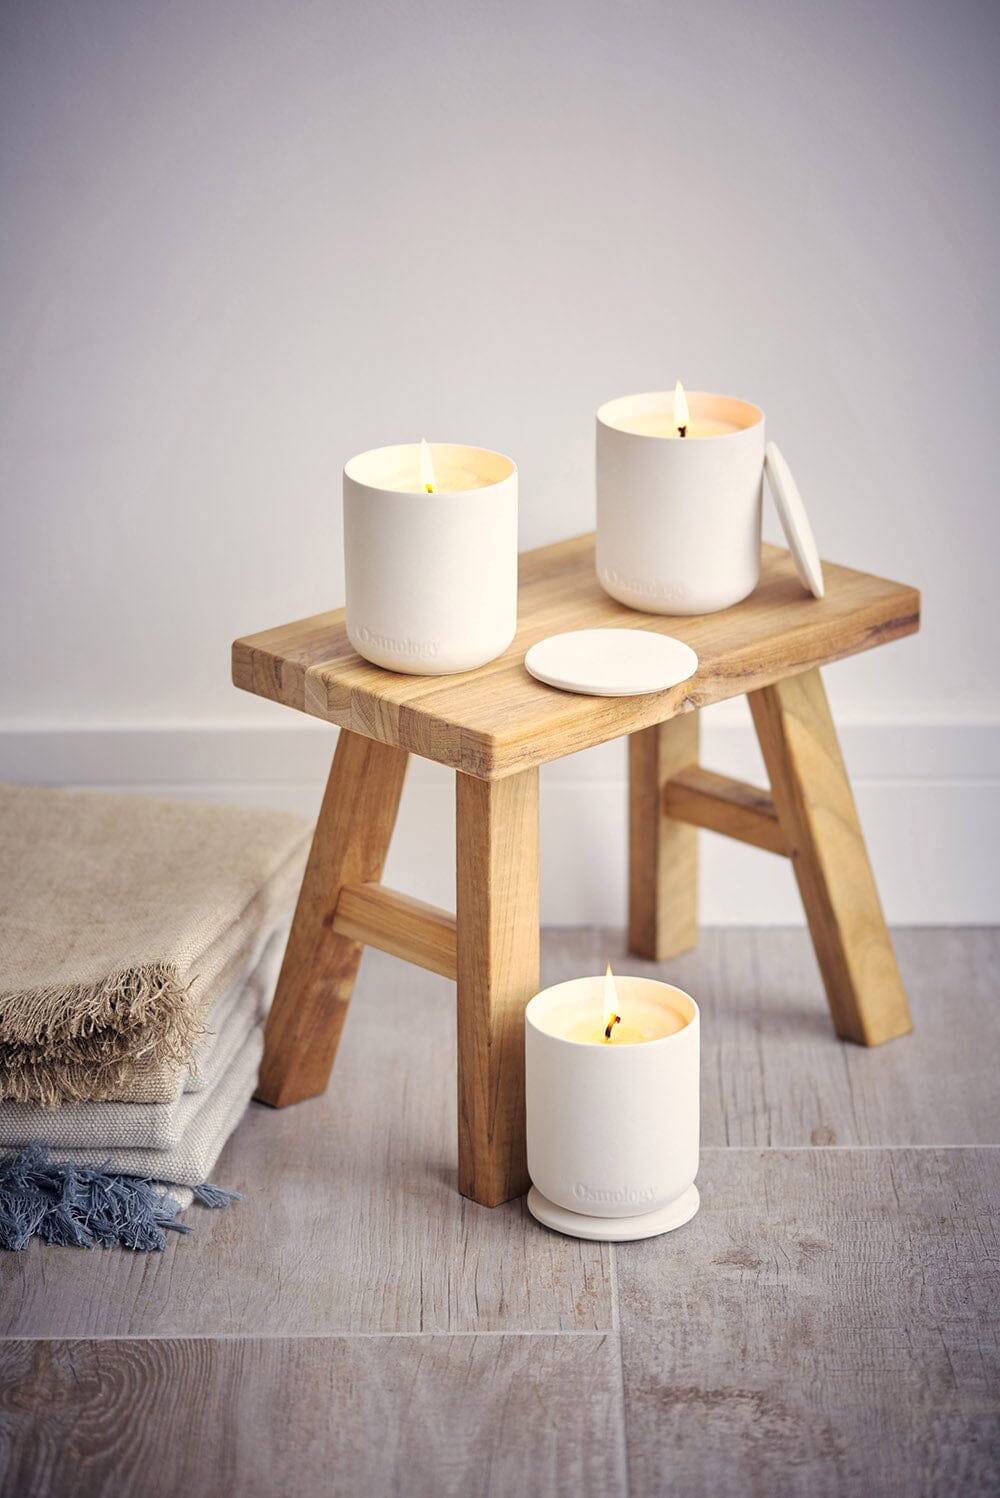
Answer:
(81, 1207)
(139, 1015)
(109, 1126)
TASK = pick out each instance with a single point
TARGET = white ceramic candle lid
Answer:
(611, 662)
(794, 520)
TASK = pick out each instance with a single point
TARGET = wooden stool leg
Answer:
(498, 972)
(663, 853)
(815, 807)
(314, 989)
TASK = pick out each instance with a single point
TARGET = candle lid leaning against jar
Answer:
(794, 520)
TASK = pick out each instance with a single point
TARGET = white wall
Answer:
(245, 240)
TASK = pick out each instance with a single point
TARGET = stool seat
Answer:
(498, 719)
(495, 726)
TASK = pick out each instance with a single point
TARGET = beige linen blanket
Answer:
(109, 1126)
(122, 921)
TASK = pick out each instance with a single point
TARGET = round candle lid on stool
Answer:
(614, 1229)
(794, 520)
(611, 662)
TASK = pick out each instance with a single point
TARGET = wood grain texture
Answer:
(398, 924)
(826, 1326)
(819, 819)
(350, 1221)
(498, 720)
(663, 853)
(473, 1417)
(498, 972)
(772, 1075)
(721, 804)
(317, 976)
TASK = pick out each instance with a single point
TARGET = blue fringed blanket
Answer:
(82, 1207)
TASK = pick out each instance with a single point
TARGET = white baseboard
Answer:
(928, 794)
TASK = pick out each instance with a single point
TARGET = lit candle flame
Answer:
(426, 467)
(681, 415)
(611, 1015)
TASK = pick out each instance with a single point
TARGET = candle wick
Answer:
(429, 488)
(615, 1019)
(683, 431)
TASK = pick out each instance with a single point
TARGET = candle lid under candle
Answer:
(614, 1229)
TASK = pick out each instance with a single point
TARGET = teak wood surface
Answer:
(498, 972)
(497, 720)
(815, 807)
(663, 851)
(317, 976)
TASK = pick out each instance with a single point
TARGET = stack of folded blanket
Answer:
(139, 945)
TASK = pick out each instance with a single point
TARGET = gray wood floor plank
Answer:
(827, 1325)
(469, 1416)
(773, 1073)
(351, 1220)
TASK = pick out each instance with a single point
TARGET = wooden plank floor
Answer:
(827, 1324)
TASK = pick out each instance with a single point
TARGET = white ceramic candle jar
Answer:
(431, 578)
(678, 518)
(612, 1125)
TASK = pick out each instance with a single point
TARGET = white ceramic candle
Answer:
(612, 1126)
(678, 518)
(431, 578)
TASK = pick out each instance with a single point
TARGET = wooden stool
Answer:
(495, 726)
